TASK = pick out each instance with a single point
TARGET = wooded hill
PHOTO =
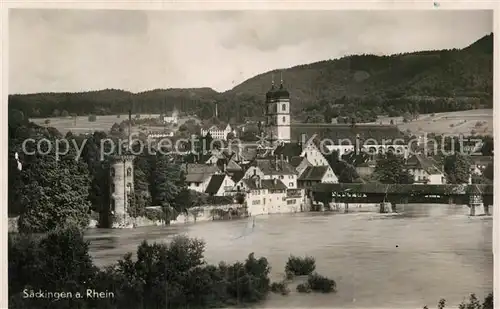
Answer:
(360, 86)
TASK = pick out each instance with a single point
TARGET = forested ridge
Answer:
(362, 86)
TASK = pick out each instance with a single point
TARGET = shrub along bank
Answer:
(173, 275)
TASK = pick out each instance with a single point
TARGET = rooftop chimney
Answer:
(282, 160)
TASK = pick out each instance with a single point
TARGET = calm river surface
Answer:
(408, 261)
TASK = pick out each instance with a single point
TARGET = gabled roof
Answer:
(297, 160)
(269, 184)
(233, 166)
(313, 173)
(215, 183)
(199, 172)
(288, 150)
(429, 165)
(274, 167)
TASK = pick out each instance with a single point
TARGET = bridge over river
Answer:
(474, 195)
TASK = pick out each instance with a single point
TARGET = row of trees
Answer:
(162, 276)
(391, 169)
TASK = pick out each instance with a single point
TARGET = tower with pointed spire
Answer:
(278, 113)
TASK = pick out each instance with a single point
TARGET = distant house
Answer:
(171, 119)
(425, 170)
(220, 185)
(479, 163)
(198, 175)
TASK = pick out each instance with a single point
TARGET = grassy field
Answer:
(82, 125)
(479, 121)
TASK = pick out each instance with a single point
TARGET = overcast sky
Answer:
(80, 50)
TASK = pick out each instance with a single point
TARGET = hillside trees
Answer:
(366, 85)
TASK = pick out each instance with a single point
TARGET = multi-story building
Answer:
(267, 196)
(218, 132)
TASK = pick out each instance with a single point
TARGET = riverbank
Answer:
(210, 213)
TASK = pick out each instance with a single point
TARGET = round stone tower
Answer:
(121, 185)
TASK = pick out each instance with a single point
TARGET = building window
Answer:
(112, 188)
(283, 107)
(129, 171)
(112, 204)
(129, 186)
(284, 119)
(112, 172)
(290, 184)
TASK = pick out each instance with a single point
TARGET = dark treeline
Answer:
(360, 87)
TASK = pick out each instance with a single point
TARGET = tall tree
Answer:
(167, 182)
(457, 168)
(55, 194)
(390, 169)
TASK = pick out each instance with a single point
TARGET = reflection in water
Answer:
(407, 260)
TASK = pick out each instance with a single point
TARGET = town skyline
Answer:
(69, 52)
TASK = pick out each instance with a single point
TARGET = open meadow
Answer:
(478, 121)
(82, 125)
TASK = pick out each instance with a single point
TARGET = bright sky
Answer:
(80, 50)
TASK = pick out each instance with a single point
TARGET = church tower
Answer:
(278, 113)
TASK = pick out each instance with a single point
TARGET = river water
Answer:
(406, 261)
